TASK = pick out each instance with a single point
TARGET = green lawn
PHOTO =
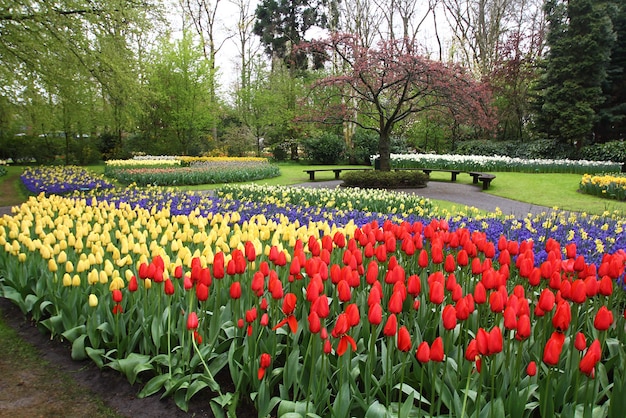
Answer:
(551, 190)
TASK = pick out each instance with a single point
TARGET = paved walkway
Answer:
(464, 194)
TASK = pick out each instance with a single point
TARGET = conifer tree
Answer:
(580, 37)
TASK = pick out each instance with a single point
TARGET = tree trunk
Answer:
(384, 151)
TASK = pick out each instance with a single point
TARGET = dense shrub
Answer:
(377, 179)
(542, 148)
(610, 151)
(325, 148)
(365, 144)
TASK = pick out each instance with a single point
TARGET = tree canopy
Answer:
(383, 86)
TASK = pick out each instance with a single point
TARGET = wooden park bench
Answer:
(427, 171)
(484, 177)
(337, 171)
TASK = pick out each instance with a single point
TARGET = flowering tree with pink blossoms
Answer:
(376, 88)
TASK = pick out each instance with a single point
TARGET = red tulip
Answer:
(251, 315)
(289, 303)
(339, 239)
(495, 340)
(132, 284)
(423, 352)
(480, 293)
(462, 308)
(320, 306)
(448, 317)
(482, 341)
(372, 272)
(354, 316)
(178, 272)
(472, 353)
(414, 285)
(395, 302)
(581, 342)
(265, 360)
(605, 287)
(450, 264)
(531, 369)
(250, 251)
(578, 292)
(328, 348)
(553, 348)
(590, 359)
(218, 265)
(496, 303)
(562, 316)
(342, 325)
(462, 258)
(344, 343)
(168, 287)
(192, 321)
(510, 318)
(375, 314)
(435, 293)
(422, 259)
(546, 300)
(404, 339)
(603, 319)
(235, 290)
(436, 350)
(391, 326)
(117, 296)
(523, 327)
(343, 291)
(315, 324)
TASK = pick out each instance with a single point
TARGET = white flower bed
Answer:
(500, 163)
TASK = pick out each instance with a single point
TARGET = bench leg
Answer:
(337, 174)
(475, 179)
(486, 184)
(311, 175)
(453, 176)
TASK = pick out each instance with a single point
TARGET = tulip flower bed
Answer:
(501, 163)
(145, 172)
(61, 179)
(327, 312)
(611, 186)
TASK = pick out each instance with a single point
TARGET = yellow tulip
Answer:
(93, 300)
(52, 265)
(103, 277)
(93, 277)
(117, 283)
(21, 257)
(76, 280)
(69, 266)
(67, 280)
(147, 283)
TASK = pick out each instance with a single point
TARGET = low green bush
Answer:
(376, 179)
(325, 148)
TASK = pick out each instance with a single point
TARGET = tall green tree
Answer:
(611, 123)
(179, 110)
(283, 24)
(580, 37)
(67, 49)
